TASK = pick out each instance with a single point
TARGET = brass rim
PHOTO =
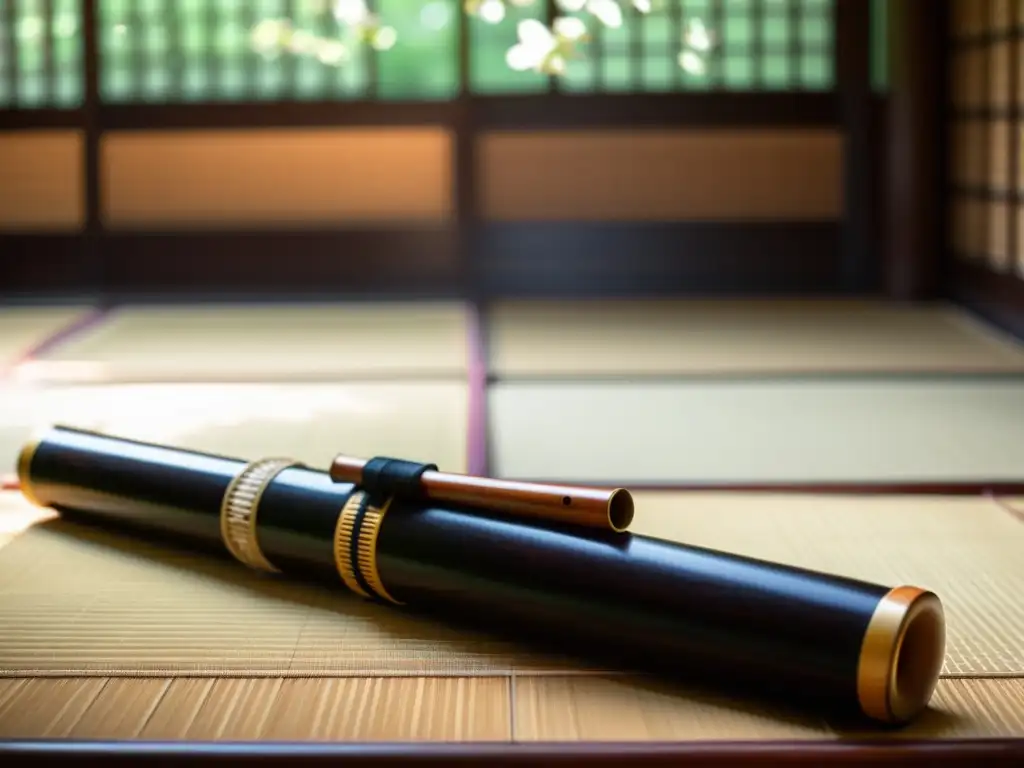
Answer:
(239, 509)
(901, 655)
(343, 544)
(620, 510)
(25, 457)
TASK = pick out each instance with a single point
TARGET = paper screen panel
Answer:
(661, 175)
(970, 228)
(970, 156)
(1016, 156)
(273, 178)
(985, 132)
(42, 187)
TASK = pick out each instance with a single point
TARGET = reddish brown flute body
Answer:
(592, 507)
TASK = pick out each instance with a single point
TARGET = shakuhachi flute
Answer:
(814, 638)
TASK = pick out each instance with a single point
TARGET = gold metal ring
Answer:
(239, 507)
(369, 531)
(343, 543)
(25, 457)
(901, 655)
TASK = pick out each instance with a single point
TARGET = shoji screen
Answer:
(987, 95)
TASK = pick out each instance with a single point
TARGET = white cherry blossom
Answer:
(356, 15)
(332, 52)
(608, 12)
(493, 11)
(545, 50)
(541, 48)
(696, 36)
(691, 62)
(352, 12)
(270, 35)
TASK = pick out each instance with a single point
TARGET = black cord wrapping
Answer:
(383, 476)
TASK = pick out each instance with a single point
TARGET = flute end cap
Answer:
(620, 510)
(24, 464)
(902, 655)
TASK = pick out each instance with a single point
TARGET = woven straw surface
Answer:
(108, 639)
(22, 328)
(450, 709)
(633, 338)
(417, 420)
(78, 601)
(840, 430)
(277, 342)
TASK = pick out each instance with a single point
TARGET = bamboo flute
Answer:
(804, 637)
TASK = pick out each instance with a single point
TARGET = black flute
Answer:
(808, 637)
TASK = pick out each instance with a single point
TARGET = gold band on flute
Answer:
(25, 456)
(355, 546)
(239, 507)
(591, 507)
(367, 557)
(902, 655)
(343, 533)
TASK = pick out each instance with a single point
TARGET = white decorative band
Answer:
(239, 507)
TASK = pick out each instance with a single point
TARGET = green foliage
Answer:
(166, 51)
(47, 70)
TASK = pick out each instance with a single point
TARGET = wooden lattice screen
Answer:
(986, 172)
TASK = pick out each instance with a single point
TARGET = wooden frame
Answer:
(994, 752)
(999, 298)
(778, 257)
(996, 292)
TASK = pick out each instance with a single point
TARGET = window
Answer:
(488, 45)
(202, 50)
(986, 137)
(758, 45)
(172, 51)
(41, 54)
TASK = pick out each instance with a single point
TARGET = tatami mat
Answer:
(541, 339)
(758, 432)
(1014, 503)
(76, 601)
(601, 709)
(397, 709)
(202, 343)
(968, 550)
(423, 421)
(449, 710)
(23, 328)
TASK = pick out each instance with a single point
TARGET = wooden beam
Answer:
(915, 152)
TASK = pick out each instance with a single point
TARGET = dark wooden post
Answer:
(92, 252)
(915, 186)
(464, 192)
(860, 258)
